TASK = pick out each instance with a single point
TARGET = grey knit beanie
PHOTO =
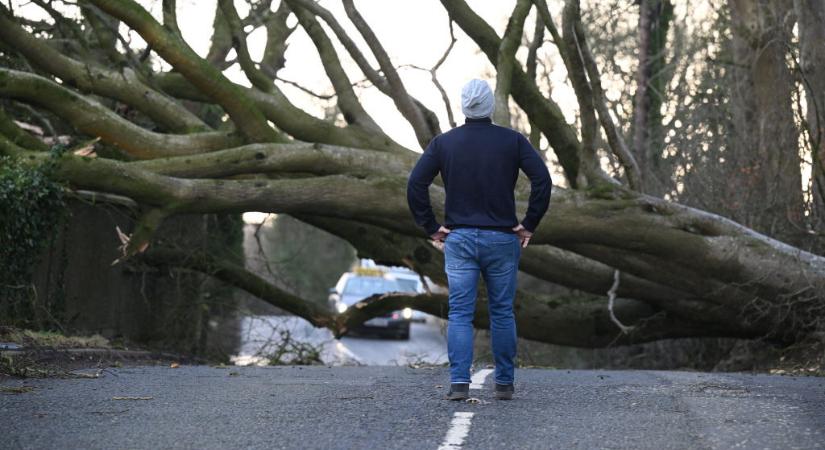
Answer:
(477, 99)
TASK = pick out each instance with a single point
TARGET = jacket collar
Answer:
(479, 120)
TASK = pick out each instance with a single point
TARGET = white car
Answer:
(353, 287)
(411, 282)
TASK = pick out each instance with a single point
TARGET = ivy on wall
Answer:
(31, 209)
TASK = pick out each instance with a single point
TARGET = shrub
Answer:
(31, 208)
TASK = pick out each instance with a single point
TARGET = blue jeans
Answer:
(493, 254)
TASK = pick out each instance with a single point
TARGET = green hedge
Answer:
(31, 208)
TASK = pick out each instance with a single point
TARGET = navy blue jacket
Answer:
(479, 164)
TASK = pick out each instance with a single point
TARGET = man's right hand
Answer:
(523, 235)
(439, 236)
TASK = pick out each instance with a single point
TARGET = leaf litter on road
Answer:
(16, 389)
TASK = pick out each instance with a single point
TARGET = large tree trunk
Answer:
(810, 15)
(764, 164)
(651, 85)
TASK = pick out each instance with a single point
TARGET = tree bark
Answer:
(810, 15)
(651, 85)
(765, 155)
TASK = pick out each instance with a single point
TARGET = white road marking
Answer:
(477, 380)
(459, 428)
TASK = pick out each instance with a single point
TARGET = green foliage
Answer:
(31, 208)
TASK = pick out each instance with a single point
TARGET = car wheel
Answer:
(404, 333)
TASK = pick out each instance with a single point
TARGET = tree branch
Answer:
(293, 120)
(543, 111)
(224, 270)
(689, 250)
(302, 158)
(584, 94)
(255, 75)
(249, 120)
(145, 228)
(352, 109)
(170, 16)
(429, 121)
(614, 137)
(125, 87)
(398, 93)
(506, 61)
(531, 66)
(434, 69)
(352, 48)
(277, 33)
(221, 41)
(576, 321)
(18, 136)
(93, 119)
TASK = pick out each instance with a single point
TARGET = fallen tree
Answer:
(681, 271)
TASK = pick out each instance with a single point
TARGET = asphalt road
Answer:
(260, 334)
(201, 407)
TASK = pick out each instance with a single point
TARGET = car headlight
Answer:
(406, 313)
(341, 307)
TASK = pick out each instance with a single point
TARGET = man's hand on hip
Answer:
(439, 236)
(523, 235)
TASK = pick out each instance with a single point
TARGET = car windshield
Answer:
(406, 285)
(366, 286)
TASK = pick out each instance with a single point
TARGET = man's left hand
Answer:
(523, 235)
(439, 236)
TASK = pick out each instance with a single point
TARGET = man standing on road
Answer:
(479, 164)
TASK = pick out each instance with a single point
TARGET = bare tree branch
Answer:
(611, 300)
(577, 322)
(145, 228)
(257, 77)
(352, 48)
(398, 92)
(277, 33)
(428, 123)
(444, 97)
(506, 61)
(125, 86)
(306, 90)
(93, 119)
(693, 246)
(291, 119)
(170, 16)
(249, 120)
(614, 136)
(532, 64)
(17, 135)
(221, 41)
(584, 94)
(302, 158)
(352, 109)
(546, 113)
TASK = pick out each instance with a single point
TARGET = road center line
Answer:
(459, 428)
(477, 380)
